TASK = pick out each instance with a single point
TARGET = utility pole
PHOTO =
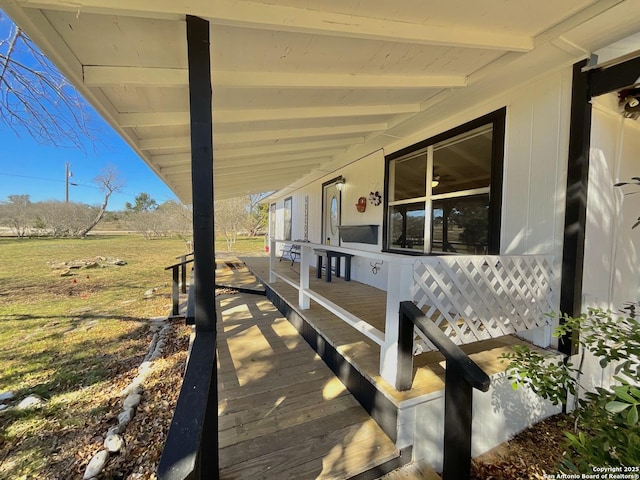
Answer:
(67, 174)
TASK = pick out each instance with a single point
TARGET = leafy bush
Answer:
(607, 430)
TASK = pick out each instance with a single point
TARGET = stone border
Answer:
(132, 393)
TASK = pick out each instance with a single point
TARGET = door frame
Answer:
(323, 232)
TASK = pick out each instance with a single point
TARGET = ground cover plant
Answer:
(606, 429)
(74, 338)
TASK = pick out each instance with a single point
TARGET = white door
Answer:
(331, 214)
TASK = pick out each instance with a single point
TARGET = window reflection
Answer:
(461, 225)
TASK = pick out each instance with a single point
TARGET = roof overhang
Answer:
(303, 88)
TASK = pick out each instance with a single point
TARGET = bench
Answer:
(323, 253)
(292, 252)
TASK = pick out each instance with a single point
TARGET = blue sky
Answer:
(28, 167)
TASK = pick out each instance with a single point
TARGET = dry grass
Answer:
(75, 341)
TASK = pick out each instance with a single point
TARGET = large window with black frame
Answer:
(444, 194)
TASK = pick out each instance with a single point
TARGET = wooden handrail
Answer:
(179, 270)
(461, 375)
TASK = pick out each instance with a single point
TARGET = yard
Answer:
(75, 337)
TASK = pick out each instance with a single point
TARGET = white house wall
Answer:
(536, 148)
(611, 273)
(611, 245)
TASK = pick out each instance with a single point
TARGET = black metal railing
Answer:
(179, 281)
(461, 377)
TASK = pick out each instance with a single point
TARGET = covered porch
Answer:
(347, 352)
(298, 92)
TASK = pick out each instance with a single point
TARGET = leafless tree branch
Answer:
(36, 98)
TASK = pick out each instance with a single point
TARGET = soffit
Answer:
(303, 87)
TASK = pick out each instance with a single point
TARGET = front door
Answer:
(331, 213)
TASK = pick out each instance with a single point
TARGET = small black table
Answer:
(329, 254)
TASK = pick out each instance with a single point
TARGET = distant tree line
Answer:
(72, 219)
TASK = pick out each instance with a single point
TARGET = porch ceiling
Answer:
(301, 87)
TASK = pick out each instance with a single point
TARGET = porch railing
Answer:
(472, 298)
(178, 281)
(469, 298)
(462, 375)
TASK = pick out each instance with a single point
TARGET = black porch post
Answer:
(200, 96)
(575, 219)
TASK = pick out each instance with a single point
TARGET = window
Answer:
(444, 194)
(287, 218)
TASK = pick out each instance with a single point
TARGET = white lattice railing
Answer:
(479, 297)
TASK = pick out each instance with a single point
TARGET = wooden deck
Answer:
(282, 413)
(369, 303)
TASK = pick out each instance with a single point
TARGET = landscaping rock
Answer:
(114, 443)
(125, 416)
(116, 430)
(96, 465)
(131, 389)
(132, 401)
(31, 401)
(3, 406)
(8, 395)
(150, 293)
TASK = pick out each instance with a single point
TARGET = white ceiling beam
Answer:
(174, 169)
(300, 20)
(285, 147)
(265, 172)
(164, 142)
(266, 183)
(171, 159)
(266, 135)
(103, 76)
(241, 79)
(152, 119)
(303, 113)
(159, 119)
(270, 162)
(183, 160)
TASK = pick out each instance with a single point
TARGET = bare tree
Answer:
(258, 213)
(18, 213)
(109, 181)
(63, 219)
(36, 98)
(230, 216)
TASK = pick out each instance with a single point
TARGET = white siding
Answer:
(611, 273)
(536, 145)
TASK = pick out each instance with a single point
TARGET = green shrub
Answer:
(607, 431)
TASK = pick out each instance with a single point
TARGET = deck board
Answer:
(369, 303)
(282, 413)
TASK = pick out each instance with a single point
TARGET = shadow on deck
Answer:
(282, 412)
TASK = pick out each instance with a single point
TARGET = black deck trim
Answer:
(381, 409)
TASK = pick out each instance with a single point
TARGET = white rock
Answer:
(114, 443)
(129, 389)
(144, 366)
(116, 430)
(30, 402)
(3, 406)
(96, 464)
(125, 416)
(132, 401)
(7, 396)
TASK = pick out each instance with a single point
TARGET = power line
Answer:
(48, 180)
